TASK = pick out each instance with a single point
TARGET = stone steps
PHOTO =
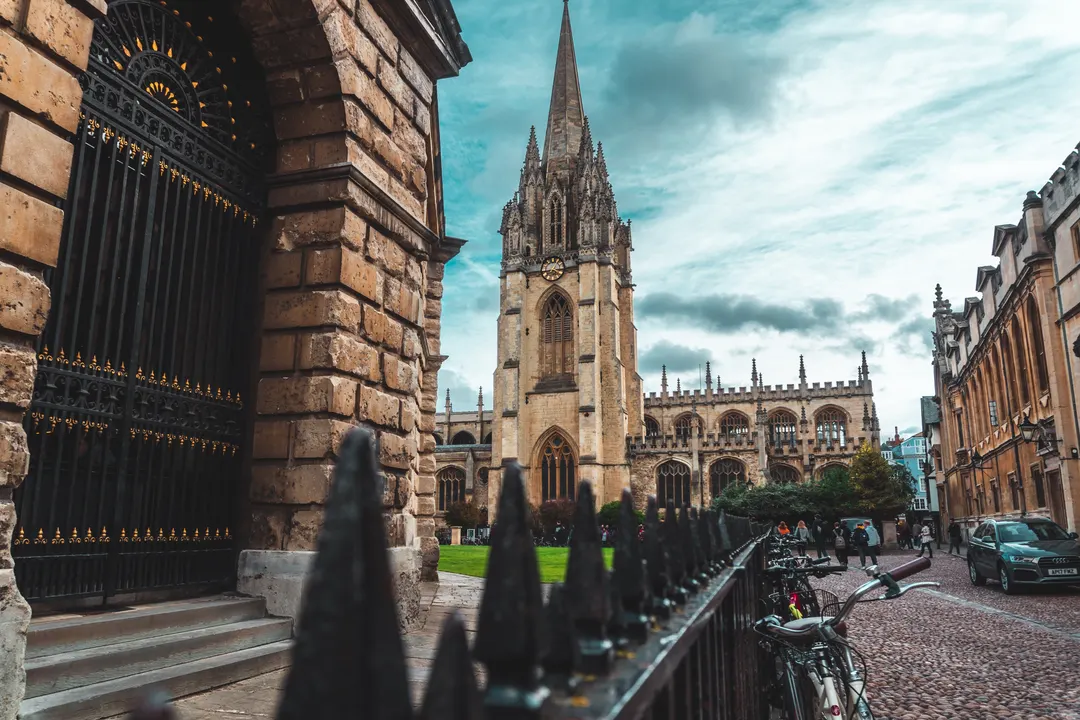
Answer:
(97, 666)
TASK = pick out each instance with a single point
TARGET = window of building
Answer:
(1021, 362)
(557, 339)
(683, 424)
(995, 494)
(555, 223)
(1014, 491)
(831, 427)
(1037, 481)
(782, 428)
(438, 439)
(673, 483)
(960, 430)
(1006, 368)
(463, 437)
(1038, 349)
(652, 428)
(557, 469)
(1075, 232)
(784, 474)
(451, 481)
(734, 426)
(725, 472)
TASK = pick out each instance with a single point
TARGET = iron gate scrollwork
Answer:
(137, 417)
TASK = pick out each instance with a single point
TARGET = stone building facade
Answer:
(305, 133)
(1000, 363)
(568, 399)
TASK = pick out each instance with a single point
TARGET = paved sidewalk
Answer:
(257, 697)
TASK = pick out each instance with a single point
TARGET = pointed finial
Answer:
(656, 561)
(480, 398)
(628, 573)
(678, 385)
(803, 418)
(447, 399)
(937, 292)
(802, 370)
(451, 692)
(563, 658)
(587, 594)
(676, 556)
(865, 367)
(753, 371)
(663, 378)
(708, 375)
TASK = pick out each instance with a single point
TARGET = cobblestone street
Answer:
(966, 653)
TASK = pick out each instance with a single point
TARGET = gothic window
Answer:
(438, 439)
(723, 473)
(463, 438)
(557, 470)
(673, 483)
(1021, 362)
(683, 424)
(652, 428)
(831, 427)
(734, 426)
(784, 474)
(1006, 370)
(1037, 347)
(451, 481)
(782, 428)
(487, 439)
(557, 338)
(555, 223)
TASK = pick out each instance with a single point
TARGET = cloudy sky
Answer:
(800, 173)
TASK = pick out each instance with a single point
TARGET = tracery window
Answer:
(734, 426)
(557, 471)
(555, 223)
(464, 437)
(557, 339)
(831, 427)
(784, 474)
(451, 487)
(1038, 349)
(673, 483)
(684, 423)
(652, 428)
(782, 428)
(1021, 362)
(725, 472)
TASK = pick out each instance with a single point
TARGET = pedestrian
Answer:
(842, 542)
(875, 539)
(903, 534)
(782, 529)
(926, 538)
(954, 536)
(861, 540)
(802, 538)
(916, 535)
(821, 533)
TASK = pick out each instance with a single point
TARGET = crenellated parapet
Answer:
(1062, 189)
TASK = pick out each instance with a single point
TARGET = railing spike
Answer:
(587, 593)
(348, 650)
(616, 627)
(713, 525)
(697, 541)
(451, 692)
(705, 538)
(563, 657)
(676, 556)
(686, 540)
(510, 638)
(629, 574)
(656, 562)
(726, 546)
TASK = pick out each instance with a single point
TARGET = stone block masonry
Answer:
(43, 47)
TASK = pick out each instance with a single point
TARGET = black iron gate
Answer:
(137, 416)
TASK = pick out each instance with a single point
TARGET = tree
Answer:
(610, 513)
(554, 512)
(463, 514)
(883, 492)
(834, 495)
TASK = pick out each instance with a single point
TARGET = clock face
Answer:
(552, 269)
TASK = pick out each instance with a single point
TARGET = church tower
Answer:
(567, 391)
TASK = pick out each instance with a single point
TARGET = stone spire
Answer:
(865, 368)
(802, 371)
(753, 372)
(480, 399)
(566, 117)
(532, 151)
(663, 378)
(865, 416)
(447, 401)
(708, 375)
(678, 386)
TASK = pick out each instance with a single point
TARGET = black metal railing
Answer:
(667, 633)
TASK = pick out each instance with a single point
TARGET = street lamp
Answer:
(1028, 429)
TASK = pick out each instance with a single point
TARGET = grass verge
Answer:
(472, 560)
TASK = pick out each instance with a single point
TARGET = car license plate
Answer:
(1062, 571)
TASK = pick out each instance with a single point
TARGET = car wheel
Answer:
(973, 573)
(1005, 580)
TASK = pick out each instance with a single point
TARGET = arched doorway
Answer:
(138, 417)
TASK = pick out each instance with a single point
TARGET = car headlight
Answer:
(1022, 558)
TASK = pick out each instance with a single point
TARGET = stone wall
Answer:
(44, 44)
(353, 272)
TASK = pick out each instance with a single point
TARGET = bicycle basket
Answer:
(827, 601)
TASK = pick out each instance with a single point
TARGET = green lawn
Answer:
(472, 560)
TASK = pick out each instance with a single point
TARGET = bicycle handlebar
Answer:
(909, 568)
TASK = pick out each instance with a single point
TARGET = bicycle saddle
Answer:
(808, 622)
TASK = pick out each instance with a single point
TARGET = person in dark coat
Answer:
(821, 533)
(841, 542)
(861, 540)
(954, 536)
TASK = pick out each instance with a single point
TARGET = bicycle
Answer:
(791, 596)
(815, 663)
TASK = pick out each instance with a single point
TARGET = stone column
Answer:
(43, 47)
